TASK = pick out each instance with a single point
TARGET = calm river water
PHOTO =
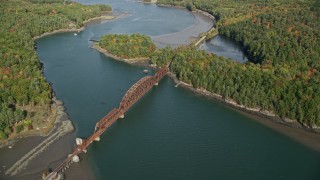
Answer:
(171, 133)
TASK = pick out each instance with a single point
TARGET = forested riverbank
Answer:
(25, 95)
(28, 104)
(282, 42)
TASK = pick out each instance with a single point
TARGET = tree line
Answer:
(247, 84)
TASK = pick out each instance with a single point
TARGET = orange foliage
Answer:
(254, 20)
(53, 11)
(5, 70)
(311, 72)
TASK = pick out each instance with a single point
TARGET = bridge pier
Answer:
(83, 150)
(79, 141)
(75, 159)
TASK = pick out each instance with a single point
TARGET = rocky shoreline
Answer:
(33, 146)
(62, 126)
(141, 60)
(57, 109)
(255, 111)
(100, 18)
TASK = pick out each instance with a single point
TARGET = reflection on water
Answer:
(223, 46)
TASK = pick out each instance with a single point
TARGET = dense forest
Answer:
(25, 96)
(127, 46)
(282, 40)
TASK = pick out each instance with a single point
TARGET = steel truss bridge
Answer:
(133, 95)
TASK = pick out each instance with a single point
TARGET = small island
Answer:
(129, 48)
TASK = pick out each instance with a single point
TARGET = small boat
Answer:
(75, 34)
(146, 71)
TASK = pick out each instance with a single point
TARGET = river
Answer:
(171, 133)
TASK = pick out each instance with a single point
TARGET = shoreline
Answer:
(85, 23)
(187, 36)
(142, 1)
(27, 152)
(140, 60)
(57, 110)
(292, 129)
(201, 37)
(33, 146)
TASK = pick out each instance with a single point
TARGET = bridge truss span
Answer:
(135, 93)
